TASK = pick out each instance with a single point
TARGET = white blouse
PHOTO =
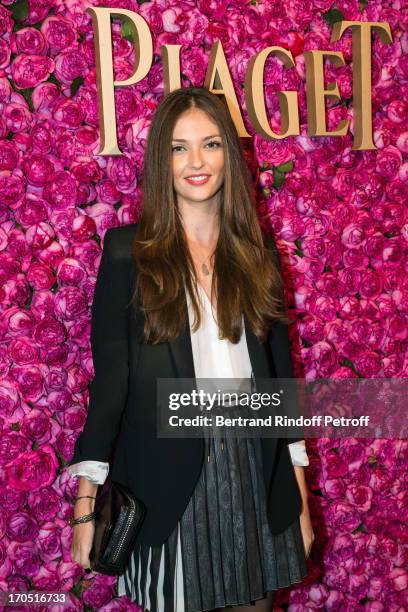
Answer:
(213, 358)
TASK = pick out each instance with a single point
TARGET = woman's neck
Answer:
(201, 225)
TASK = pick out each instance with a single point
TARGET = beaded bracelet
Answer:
(82, 519)
(85, 497)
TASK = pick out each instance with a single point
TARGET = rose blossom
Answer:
(30, 70)
(33, 469)
(60, 33)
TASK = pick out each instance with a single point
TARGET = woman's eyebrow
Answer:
(205, 138)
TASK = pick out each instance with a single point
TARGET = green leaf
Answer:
(127, 31)
(360, 528)
(363, 4)
(20, 10)
(333, 16)
(18, 26)
(53, 79)
(286, 167)
(278, 178)
(76, 84)
(27, 95)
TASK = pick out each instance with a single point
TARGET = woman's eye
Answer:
(213, 144)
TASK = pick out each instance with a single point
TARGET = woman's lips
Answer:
(199, 180)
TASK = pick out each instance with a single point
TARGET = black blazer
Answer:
(162, 472)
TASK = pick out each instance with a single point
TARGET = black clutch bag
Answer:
(118, 519)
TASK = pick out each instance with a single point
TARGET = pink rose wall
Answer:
(340, 221)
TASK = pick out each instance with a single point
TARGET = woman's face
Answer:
(197, 158)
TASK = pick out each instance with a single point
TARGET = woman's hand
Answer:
(83, 533)
(307, 532)
(82, 543)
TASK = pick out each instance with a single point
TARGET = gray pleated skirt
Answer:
(221, 552)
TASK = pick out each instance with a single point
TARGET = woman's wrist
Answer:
(83, 506)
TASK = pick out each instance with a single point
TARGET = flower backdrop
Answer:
(340, 221)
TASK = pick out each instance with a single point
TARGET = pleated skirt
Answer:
(221, 552)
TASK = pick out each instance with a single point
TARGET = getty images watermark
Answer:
(282, 407)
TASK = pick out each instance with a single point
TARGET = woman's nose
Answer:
(195, 158)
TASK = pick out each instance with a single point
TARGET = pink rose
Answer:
(343, 517)
(68, 113)
(368, 363)
(44, 98)
(86, 100)
(69, 66)
(22, 527)
(86, 170)
(11, 188)
(24, 557)
(107, 192)
(30, 70)
(337, 578)
(29, 41)
(6, 21)
(60, 33)
(70, 302)
(9, 155)
(99, 593)
(335, 602)
(23, 351)
(334, 465)
(33, 470)
(9, 400)
(11, 501)
(60, 190)
(38, 426)
(18, 583)
(65, 446)
(122, 172)
(334, 487)
(49, 540)
(360, 496)
(399, 579)
(273, 152)
(12, 445)
(388, 162)
(47, 577)
(44, 504)
(37, 169)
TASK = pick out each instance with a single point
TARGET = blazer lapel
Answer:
(182, 353)
(258, 354)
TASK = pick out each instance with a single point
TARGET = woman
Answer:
(227, 520)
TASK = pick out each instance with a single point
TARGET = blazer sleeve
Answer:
(109, 343)
(281, 348)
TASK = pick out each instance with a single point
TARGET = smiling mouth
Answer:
(198, 180)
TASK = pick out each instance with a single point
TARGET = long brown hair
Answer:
(246, 277)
